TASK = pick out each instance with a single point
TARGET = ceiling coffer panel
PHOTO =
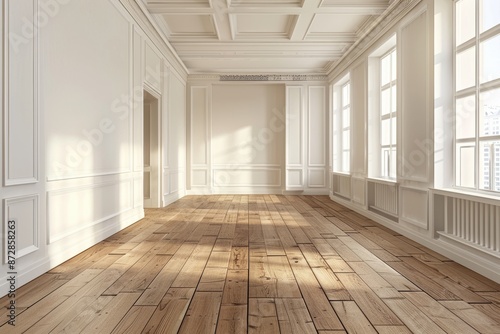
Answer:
(190, 26)
(264, 26)
(255, 36)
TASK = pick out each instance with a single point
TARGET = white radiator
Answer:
(386, 198)
(341, 185)
(475, 222)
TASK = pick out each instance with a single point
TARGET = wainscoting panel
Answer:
(414, 206)
(199, 178)
(101, 202)
(358, 191)
(294, 179)
(316, 178)
(25, 211)
(247, 177)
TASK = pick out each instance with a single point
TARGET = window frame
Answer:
(476, 90)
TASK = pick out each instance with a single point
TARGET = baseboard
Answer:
(256, 191)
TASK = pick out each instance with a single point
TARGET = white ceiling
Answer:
(264, 36)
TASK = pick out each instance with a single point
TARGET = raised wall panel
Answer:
(25, 212)
(153, 71)
(248, 124)
(316, 178)
(199, 127)
(417, 144)
(138, 91)
(87, 99)
(21, 94)
(294, 179)
(247, 177)
(358, 190)
(294, 126)
(101, 202)
(317, 126)
(414, 206)
(176, 141)
(199, 178)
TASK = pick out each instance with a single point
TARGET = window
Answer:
(477, 94)
(346, 127)
(342, 125)
(388, 109)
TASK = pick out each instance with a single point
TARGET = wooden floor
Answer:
(257, 264)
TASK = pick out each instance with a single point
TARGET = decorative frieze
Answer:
(258, 77)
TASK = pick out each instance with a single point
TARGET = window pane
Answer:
(465, 20)
(346, 95)
(465, 165)
(490, 14)
(394, 128)
(385, 162)
(392, 168)
(386, 102)
(385, 70)
(346, 117)
(385, 132)
(490, 59)
(345, 161)
(490, 113)
(466, 68)
(394, 98)
(466, 117)
(394, 66)
(346, 140)
(496, 166)
(484, 165)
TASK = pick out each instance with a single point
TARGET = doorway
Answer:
(151, 149)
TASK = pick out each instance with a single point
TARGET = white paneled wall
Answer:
(253, 137)
(73, 126)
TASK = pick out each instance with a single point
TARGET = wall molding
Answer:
(8, 114)
(52, 238)
(8, 202)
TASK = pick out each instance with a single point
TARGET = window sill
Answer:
(391, 182)
(341, 173)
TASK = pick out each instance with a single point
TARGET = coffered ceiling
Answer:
(263, 36)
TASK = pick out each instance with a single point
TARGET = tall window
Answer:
(477, 97)
(345, 116)
(388, 110)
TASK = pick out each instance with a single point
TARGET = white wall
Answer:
(74, 123)
(254, 137)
